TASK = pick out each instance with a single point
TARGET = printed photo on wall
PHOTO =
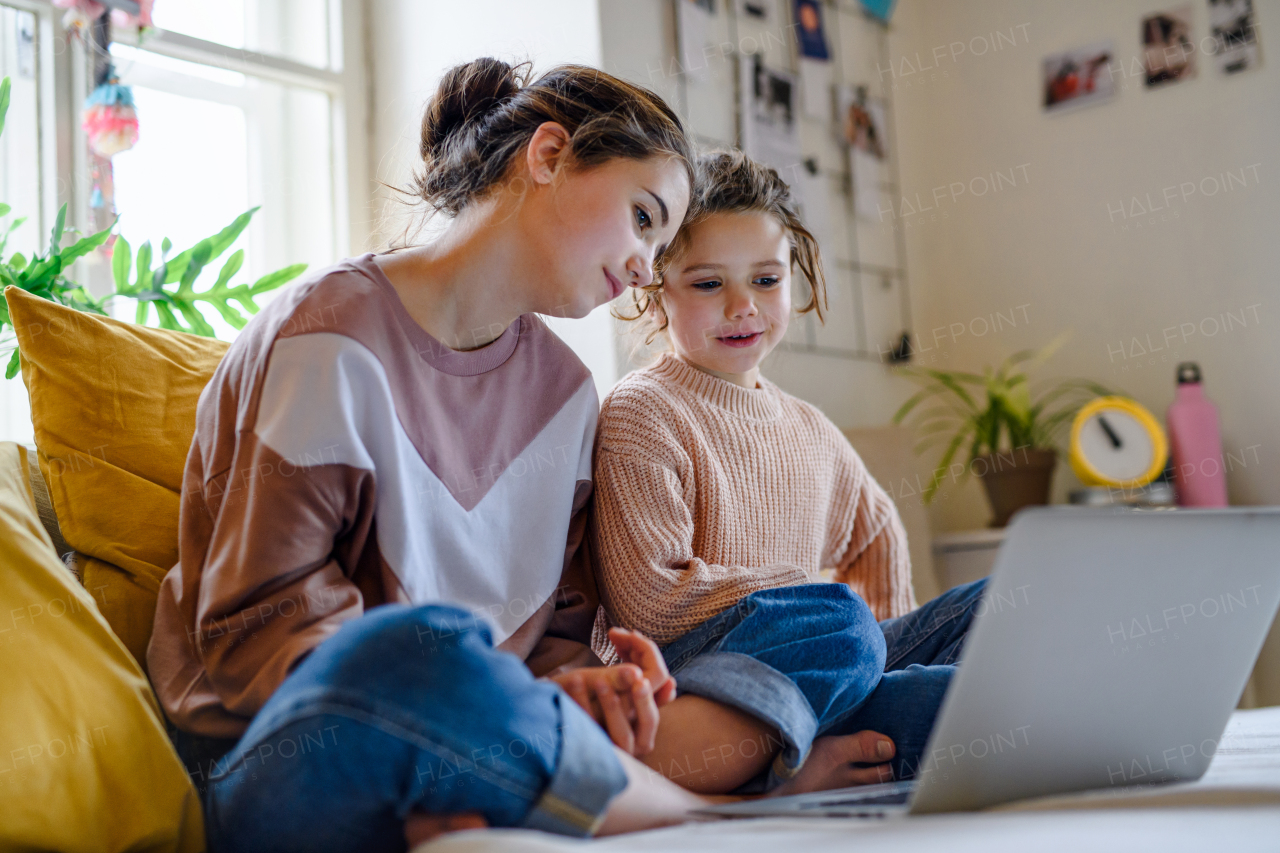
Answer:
(1235, 35)
(760, 11)
(862, 122)
(862, 129)
(1078, 77)
(813, 41)
(1168, 50)
(770, 126)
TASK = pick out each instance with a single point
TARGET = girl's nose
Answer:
(740, 306)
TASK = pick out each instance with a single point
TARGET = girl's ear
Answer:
(548, 152)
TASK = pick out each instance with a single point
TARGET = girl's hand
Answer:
(635, 648)
(620, 699)
(624, 699)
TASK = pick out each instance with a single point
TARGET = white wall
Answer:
(1056, 243)
(413, 42)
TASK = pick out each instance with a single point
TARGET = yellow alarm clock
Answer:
(1117, 443)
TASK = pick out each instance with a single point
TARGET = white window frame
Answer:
(64, 79)
(53, 72)
(64, 83)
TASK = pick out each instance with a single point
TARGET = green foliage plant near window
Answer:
(168, 287)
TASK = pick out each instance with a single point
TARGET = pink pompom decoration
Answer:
(109, 118)
(111, 129)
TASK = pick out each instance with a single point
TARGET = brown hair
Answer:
(485, 112)
(728, 181)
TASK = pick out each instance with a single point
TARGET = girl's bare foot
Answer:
(420, 827)
(831, 764)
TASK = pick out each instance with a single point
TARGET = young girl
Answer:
(365, 515)
(720, 498)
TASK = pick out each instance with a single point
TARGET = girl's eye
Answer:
(706, 285)
(643, 217)
(767, 281)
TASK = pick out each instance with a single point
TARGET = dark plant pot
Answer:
(1014, 479)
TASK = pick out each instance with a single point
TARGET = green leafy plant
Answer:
(176, 308)
(169, 287)
(993, 412)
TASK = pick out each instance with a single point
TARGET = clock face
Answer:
(1116, 444)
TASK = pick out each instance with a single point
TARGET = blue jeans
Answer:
(811, 660)
(403, 708)
(923, 650)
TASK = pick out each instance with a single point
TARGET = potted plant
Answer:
(1010, 431)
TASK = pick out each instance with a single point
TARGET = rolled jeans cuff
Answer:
(761, 691)
(587, 777)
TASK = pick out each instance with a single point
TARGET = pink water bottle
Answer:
(1195, 442)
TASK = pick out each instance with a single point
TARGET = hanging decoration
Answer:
(124, 13)
(80, 14)
(880, 9)
(110, 121)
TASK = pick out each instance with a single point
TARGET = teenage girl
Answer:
(384, 500)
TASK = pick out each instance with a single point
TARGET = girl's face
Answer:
(600, 228)
(728, 297)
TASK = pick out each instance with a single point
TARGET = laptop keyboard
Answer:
(891, 798)
(863, 801)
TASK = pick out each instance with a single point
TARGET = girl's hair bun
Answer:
(465, 94)
(485, 112)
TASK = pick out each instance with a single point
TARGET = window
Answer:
(212, 144)
(241, 103)
(20, 143)
(299, 30)
(23, 159)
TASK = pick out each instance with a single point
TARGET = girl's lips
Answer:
(615, 286)
(740, 341)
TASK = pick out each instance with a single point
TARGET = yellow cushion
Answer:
(114, 408)
(85, 763)
(127, 602)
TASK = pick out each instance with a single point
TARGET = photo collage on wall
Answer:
(781, 96)
(1169, 48)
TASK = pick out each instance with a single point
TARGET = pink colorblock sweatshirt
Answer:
(343, 458)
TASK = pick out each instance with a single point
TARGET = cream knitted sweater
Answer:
(707, 492)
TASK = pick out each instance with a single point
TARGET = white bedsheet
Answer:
(1235, 807)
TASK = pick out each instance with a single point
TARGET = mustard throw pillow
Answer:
(126, 601)
(114, 407)
(85, 764)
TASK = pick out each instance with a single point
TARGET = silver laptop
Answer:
(1110, 648)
